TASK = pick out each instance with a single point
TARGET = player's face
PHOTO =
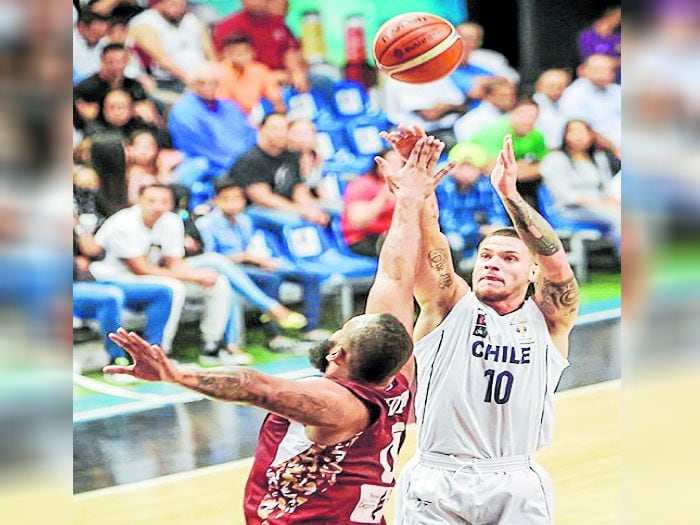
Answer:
(503, 269)
(231, 201)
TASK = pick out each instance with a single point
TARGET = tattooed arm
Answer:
(438, 287)
(328, 410)
(392, 291)
(556, 289)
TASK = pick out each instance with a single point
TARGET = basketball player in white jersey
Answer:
(488, 361)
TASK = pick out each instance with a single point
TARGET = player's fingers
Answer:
(439, 147)
(114, 369)
(444, 171)
(416, 152)
(381, 162)
(427, 153)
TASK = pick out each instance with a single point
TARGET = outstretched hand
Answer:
(504, 175)
(150, 361)
(404, 140)
(415, 179)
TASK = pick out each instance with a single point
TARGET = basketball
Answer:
(417, 48)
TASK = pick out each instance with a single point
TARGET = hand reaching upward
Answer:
(504, 175)
(404, 140)
(415, 179)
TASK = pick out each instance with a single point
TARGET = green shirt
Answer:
(491, 137)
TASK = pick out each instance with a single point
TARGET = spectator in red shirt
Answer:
(273, 42)
(368, 206)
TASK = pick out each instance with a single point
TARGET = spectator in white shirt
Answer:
(87, 33)
(549, 89)
(595, 98)
(499, 99)
(146, 243)
(485, 58)
(175, 40)
(435, 106)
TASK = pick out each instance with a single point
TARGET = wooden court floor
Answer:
(584, 462)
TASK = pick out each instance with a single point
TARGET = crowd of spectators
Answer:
(182, 138)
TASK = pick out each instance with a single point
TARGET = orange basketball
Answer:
(417, 48)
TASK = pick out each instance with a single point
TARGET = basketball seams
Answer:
(389, 46)
(424, 57)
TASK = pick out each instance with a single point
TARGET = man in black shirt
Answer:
(91, 92)
(271, 176)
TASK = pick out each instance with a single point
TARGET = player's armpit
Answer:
(317, 402)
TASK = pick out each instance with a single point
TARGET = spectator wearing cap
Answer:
(207, 127)
(528, 144)
(271, 39)
(91, 92)
(87, 33)
(174, 40)
(549, 88)
(595, 98)
(469, 206)
(244, 80)
(499, 97)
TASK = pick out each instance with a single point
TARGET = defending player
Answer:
(326, 452)
(488, 363)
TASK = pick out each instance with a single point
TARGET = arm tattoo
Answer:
(559, 298)
(245, 385)
(533, 229)
(438, 261)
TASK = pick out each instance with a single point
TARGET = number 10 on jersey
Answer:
(499, 386)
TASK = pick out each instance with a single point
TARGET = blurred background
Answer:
(661, 43)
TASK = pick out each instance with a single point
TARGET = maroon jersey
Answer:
(295, 480)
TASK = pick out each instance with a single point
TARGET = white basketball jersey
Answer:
(486, 382)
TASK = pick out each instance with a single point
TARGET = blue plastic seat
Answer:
(363, 133)
(349, 99)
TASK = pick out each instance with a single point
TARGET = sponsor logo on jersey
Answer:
(480, 326)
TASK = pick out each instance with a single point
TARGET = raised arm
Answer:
(392, 291)
(437, 286)
(316, 402)
(556, 288)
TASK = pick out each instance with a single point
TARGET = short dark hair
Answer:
(224, 184)
(143, 189)
(501, 232)
(236, 38)
(112, 47)
(378, 350)
(491, 84)
(270, 115)
(87, 16)
(526, 101)
(132, 136)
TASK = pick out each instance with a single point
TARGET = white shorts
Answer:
(439, 489)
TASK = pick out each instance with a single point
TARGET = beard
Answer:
(317, 355)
